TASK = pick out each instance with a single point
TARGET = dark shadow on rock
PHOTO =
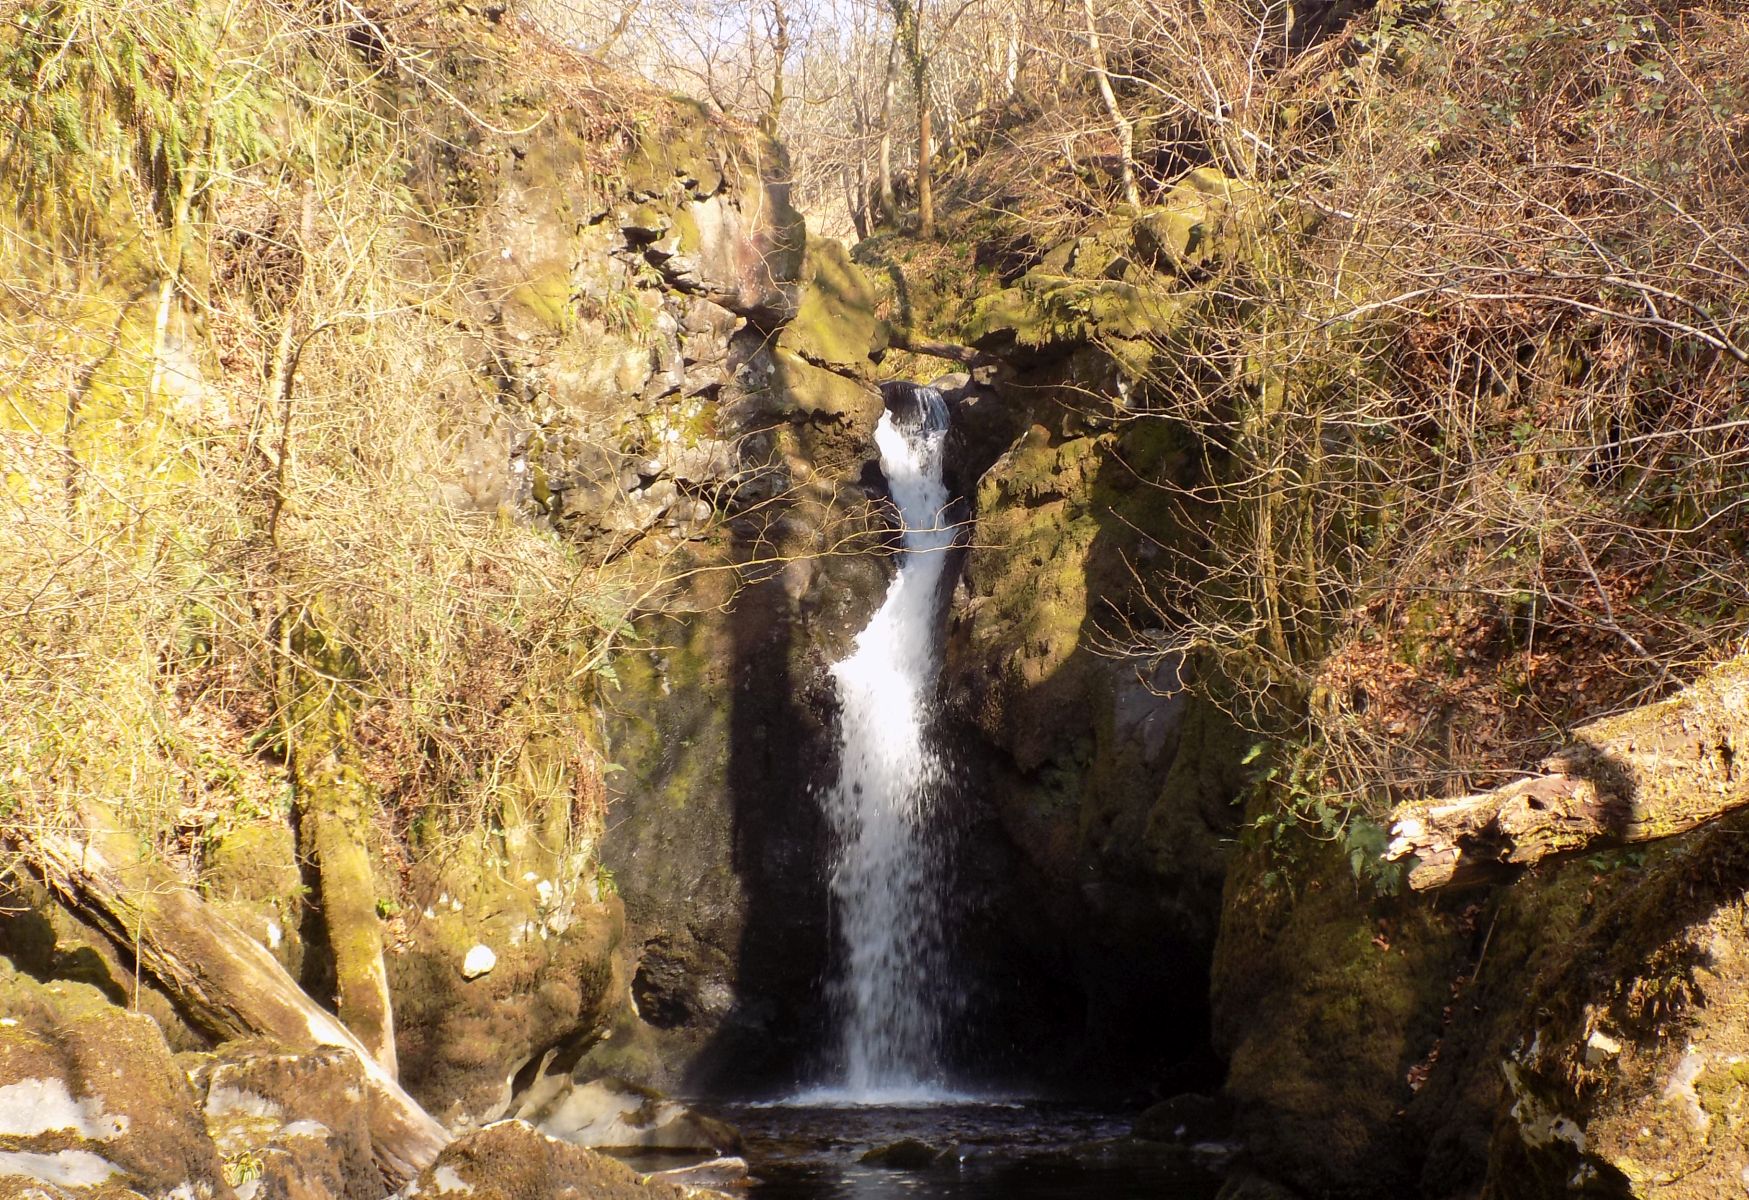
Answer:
(1106, 796)
(779, 727)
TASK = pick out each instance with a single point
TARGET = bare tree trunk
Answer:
(1649, 773)
(904, 339)
(889, 201)
(908, 31)
(619, 28)
(222, 978)
(780, 56)
(853, 201)
(925, 152)
(1011, 64)
(1126, 134)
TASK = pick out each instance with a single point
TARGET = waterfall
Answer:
(885, 883)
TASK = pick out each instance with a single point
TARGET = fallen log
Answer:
(1649, 773)
(901, 338)
(225, 981)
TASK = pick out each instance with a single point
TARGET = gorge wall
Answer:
(600, 348)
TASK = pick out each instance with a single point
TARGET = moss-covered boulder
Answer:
(548, 975)
(289, 1123)
(802, 387)
(1622, 1060)
(834, 323)
(1046, 310)
(92, 1102)
(1198, 221)
(513, 1161)
(1327, 1008)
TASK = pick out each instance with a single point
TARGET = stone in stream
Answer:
(730, 1172)
(611, 1114)
(1189, 1117)
(906, 1154)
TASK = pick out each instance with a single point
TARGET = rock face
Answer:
(1104, 787)
(721, 718)
(89, 1097)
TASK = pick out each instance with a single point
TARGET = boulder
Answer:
(719, 1173)
(817, 392)
(612, 1114)
(91, 1100)
(512, 1160)
(552, 935)
(906, 1154)
(834, 324)
(291, 1124)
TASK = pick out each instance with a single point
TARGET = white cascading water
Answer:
(885, 878)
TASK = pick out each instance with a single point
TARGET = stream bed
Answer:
(992, 1151)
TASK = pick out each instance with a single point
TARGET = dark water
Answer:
(1032, 1151)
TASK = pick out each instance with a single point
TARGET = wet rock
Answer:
(513, 1161)
(293, 1124)
(478, 961)
(1189, 1117)
(906, 1154)
(612, 1114)
(90, 1098)
(1254, 1187)
(718, 1173)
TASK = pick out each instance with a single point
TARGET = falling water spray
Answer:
(886, 875)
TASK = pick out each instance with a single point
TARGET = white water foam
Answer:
(885, 880)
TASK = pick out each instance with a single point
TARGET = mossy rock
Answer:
(1323, 1003)
(801, 387)
(834, 324)
(512, 1161)
(681, 152)
(1200, 220)
(299, 1114)
(1620, 1017)
(95, 1097)
(1044, 310)
(547, 300)
(250, 872)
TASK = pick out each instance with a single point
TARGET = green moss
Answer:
(253, 861)
(834, 324)
(1045, 310)
(800, 386)
(1036, 529)
(548, 300)
(686, 230)
(680, 150)
(682, 762)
